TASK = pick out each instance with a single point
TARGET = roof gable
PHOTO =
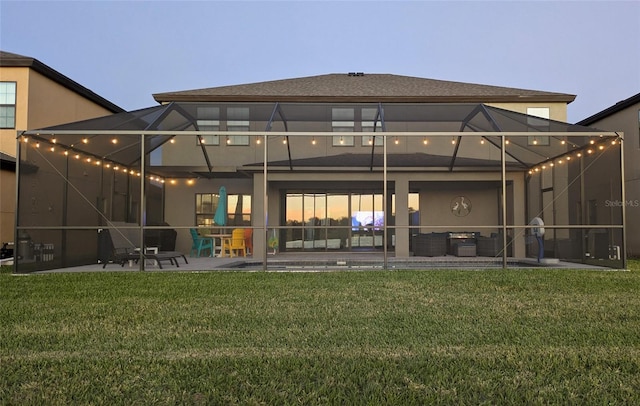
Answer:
(362, 87)
(10, 60)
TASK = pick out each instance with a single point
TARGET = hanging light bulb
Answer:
(258, 140)
(341, 140)
(313, 141)
(284, 140)
(396, 141)
(425, 141)
(482, 141)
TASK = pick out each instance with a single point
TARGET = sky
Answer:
(125, 51)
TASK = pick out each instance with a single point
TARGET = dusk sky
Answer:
(127, 50)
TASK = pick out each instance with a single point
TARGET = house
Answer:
(624, 116)
(33, 95)
(351, 162)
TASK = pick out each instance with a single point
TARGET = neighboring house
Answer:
(33, 95)
(320, 142)
(624, 116)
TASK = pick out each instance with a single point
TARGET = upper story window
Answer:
(7, 104)
(237, 120)
(538, 120)
(342, 120)
(370, 123)
(208, 119)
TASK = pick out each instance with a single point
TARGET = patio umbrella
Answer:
(220, 218)
(238, 213)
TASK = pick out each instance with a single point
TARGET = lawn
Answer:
(378, 337)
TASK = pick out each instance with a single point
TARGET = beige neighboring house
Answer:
(624, 116)
(33, 95)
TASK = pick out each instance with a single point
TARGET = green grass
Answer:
(395, 337)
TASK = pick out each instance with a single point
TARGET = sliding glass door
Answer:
(333, 221)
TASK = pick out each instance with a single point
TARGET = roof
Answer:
(7, 162)
(10, 60)
(361, 87)
(411, 160)
(163, 122)
(619, 106)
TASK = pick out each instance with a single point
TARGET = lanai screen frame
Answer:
(46, 134)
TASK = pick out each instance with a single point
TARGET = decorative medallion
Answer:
(460, 206)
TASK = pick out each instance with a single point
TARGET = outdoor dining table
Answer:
(221, 237)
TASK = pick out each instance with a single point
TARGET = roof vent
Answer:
(356, 73)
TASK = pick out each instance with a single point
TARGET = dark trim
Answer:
(8, 60)
(164, 98)
(619, 106)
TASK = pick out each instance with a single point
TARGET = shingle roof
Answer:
(359, 87)
(10, 60)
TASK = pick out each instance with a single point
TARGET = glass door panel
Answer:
(294, 221)
(337, 220)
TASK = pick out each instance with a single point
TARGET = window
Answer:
(206, 205)
(342, 121)
(370, 124)
(7, 104)
(208, 119)
(238, 209)
(237, 120)
(538, 120)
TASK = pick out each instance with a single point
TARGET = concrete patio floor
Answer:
(320, 261)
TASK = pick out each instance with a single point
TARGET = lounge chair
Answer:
(118, 247)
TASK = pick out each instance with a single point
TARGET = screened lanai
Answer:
(300, 174)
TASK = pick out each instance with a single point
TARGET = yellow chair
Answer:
(235, 244)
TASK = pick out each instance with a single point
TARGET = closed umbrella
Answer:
(220, 218)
